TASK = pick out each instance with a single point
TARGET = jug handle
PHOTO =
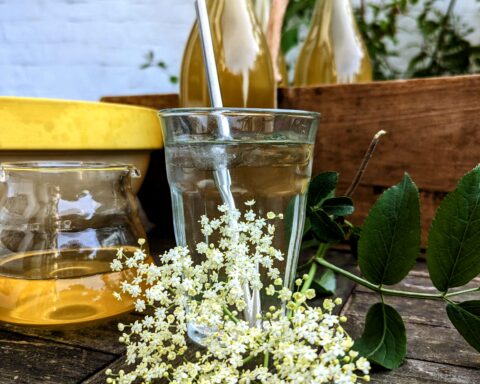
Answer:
(134, 172)
(3, 175)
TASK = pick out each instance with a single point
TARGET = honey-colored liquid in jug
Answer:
(67, 288)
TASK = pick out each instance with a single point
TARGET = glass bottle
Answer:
(262, 11)
(61, 224)
(333, 51)
(243, 60)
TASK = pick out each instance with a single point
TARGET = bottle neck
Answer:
(262, 12)
(321, 20)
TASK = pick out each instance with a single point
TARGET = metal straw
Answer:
(210, 64)
(221, 174)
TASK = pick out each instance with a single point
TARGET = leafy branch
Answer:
(388, 245)
(152, 62)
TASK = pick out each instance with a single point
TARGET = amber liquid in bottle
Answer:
(62, 289)
(316, 61)
(254, 88)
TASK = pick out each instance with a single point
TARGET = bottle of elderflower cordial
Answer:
(333, 51)
(243, 60)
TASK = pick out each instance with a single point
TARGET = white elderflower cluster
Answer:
(292, 343)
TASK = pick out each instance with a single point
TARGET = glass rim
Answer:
(174, 112)
(64, 166)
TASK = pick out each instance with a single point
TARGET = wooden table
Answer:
(436, 353)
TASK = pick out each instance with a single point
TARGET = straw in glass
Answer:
(223, 179)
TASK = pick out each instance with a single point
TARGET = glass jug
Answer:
(61, 224)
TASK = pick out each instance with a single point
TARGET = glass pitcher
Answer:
(61, 224)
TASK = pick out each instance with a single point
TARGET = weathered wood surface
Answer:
(25, 359)
(433, 133)
(436, 353)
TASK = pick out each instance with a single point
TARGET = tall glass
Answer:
(268, 157)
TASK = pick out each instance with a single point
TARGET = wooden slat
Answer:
(150, 101)
(29, 360)
(425, 342)
(103, 338)
(423, 372)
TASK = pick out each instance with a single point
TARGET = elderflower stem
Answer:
(320, 254)
(378, 288)
(266, 356)
(229, 313)
(248, 359)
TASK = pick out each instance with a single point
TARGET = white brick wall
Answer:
(83, 49)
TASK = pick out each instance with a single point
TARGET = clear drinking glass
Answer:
(269, 159)
(61, 224)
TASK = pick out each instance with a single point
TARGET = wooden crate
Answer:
(433, 130)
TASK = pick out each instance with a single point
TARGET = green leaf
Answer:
(324, 228)
(326, 283)
(320, 187)
(384, 340)
(454, 240)
(466, 319)
(338, 206)
(390, 239)
(307, 244)
(289, 39)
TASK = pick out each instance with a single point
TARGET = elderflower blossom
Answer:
(304, 345)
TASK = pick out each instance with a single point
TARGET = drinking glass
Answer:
(267, 157)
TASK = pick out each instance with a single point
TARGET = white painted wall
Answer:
(83, 49)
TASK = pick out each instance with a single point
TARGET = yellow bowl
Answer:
(47, 129)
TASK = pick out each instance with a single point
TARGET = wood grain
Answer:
(28, 360)
(423, 372)
(103, 337)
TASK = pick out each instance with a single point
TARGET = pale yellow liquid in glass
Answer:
(61, 290)
(316, 62)
(260, 82)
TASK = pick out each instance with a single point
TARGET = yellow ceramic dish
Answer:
(45, 124)
(59, 130)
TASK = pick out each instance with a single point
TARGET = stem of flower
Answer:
(320, 254)
(366, 159)
(248, 359)
(311, 275)
(227, 312)
(266, 356)
(378, 288)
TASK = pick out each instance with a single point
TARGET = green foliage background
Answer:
(443, 48)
